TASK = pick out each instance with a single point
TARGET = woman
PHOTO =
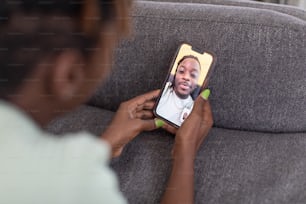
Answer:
(61, 51)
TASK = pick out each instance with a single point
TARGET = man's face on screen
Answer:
(186, 77)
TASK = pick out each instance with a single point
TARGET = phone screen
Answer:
(187, 75)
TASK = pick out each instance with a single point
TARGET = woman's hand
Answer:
(132, 117)
(189, 137)
(195, 128)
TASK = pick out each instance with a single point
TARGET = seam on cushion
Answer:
(297, 13)
(280, 8)
(224, 22)
(261, 130)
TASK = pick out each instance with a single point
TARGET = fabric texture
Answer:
(37, 167)
(231, 167)
(86, 118)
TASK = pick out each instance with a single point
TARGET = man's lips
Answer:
(184, 86)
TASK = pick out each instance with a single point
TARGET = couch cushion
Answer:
(85, 118)
(234, 167)
(259, 80)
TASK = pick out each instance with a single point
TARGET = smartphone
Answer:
(188, 74)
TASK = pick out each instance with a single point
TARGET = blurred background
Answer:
(299, 3)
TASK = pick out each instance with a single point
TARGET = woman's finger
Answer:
(144, 114)
(162, 124)
(169, 128)
(148, 125)
(146, 106)
(146, 97)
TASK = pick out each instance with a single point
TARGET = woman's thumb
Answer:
(200, 101)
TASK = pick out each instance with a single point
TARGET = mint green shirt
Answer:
(39, 168)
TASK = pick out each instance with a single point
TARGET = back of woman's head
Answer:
(31, 30)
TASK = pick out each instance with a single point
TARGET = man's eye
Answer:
(194, 75)
(181, 70)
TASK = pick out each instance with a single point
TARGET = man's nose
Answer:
(186, 76)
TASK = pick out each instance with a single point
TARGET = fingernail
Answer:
(159, 123)
(205, 94)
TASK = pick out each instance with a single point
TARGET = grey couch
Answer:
(256, 151)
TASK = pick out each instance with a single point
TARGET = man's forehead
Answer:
(191, 63)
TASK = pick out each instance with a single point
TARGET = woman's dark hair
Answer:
(33, 29)
(196, 91)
